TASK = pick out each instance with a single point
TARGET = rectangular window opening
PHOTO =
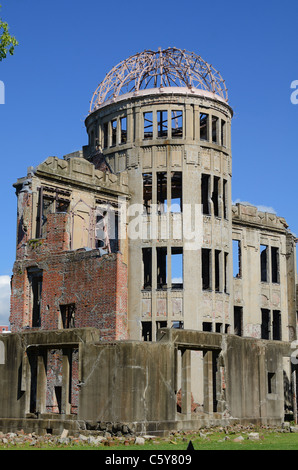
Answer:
(226, 282)
(176, 191)
(68, 315)
(161, 267)
(177, 124)
(159, 325)
(237, 258)
(35, 278)
(276, 325)
(146, 331)
(217, 263)
(105, 135)
(51, 200)
(147, 192)
(215, 196)
(264, 262)
(148, 125)
(205, 191)
(204, 118)
(177, 267)
(215, 129)
(179, 325)
(107, 229)
(123, 125)
(114, 132)
(206, 269)
(147, 267)
(271, 382)
(161, 192)
(265, 326)
(274, 264)
(223, 133)
(207, 326)
(238, 321)
(162, 124)
(225, 199)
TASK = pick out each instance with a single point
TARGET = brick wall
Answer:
(97, 285)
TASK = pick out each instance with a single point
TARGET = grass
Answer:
(218, 440)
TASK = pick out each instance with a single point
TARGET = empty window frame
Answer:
(207, 326)
(161, 254)
(147, 267)
(159, 325)
(274, 264)
(223, 134)
(225, 198)
(147, 192)
(271, 382)
(176, 191)
(91, 139)
(238, 321)
(107, 228)
(179, 325)
(226, 280)
(264, 263)
(113, 231)
(177, 267)
(161, 186)
(68, 315)
(162, 124)
(105, 135)
(215, 196)
(206, 269)
(205, 192)
(204, 123)
(51, 200)
(35, 277)
(123, 126)
(114, 131)
(215, 121)
(146, 331)
(148, 125)
(276, 325)
(265, 325)
(177, 124)
(237, 258)
(217, 270)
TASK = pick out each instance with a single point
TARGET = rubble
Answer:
(235, 433)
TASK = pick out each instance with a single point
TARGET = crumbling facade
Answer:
(131, 257)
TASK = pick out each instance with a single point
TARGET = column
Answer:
(186, 382)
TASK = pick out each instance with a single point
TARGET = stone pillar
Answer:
(41, 383)
(208, 382)
(65, 405)
(186, 382)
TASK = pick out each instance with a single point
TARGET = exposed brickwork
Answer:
(97, 285)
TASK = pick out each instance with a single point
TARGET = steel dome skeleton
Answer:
(157, 69)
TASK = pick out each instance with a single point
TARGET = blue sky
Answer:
(66, 47)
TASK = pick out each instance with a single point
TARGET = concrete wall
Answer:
(136, 382)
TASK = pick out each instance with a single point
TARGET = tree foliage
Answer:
(7, 42)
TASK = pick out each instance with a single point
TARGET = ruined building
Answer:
(140, 294)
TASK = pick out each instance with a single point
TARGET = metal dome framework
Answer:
(158, 69)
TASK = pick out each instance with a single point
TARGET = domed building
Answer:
(140, 293)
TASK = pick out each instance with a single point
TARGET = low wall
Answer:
(136, 383)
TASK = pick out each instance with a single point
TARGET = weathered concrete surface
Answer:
(136, 382)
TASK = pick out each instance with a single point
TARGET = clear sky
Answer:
(66, 47)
